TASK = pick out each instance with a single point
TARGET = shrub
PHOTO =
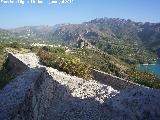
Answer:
(144, 78)
(54, 49)
(15, 45)
(5, 77)
(57, 58)
(34, 49)
(100, 61)
(2, 55)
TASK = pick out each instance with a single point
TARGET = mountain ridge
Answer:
(115, 36)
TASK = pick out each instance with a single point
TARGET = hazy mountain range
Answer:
(115, 36)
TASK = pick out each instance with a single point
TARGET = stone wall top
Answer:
(114, 81)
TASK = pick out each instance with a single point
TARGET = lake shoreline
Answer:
(151, 68)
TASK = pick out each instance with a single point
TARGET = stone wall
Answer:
(116, 82)
(27, 97)
(15, 66)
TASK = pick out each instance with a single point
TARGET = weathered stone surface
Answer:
(116, 82)
(43, 93)
(133, 104)
(29, 59)
(15, 66)
(12, 97)
(38, 98)
(77, 99)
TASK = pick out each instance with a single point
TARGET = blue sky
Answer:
(15, 15)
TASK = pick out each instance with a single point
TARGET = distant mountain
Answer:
(28, 34)
(130, 41)
(119, 37)
(150, 36)
(33, 31)
(6, 35)
(147, 34)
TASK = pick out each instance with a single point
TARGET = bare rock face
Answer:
(133, 104)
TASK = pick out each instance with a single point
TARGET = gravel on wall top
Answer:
(78, 99)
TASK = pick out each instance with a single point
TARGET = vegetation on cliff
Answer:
(101, 61)
(56, 58)
(144, 78)
(78, 62)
